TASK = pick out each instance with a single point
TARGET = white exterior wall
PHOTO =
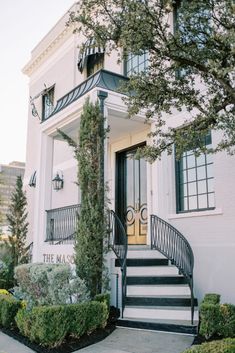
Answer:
(210, 233)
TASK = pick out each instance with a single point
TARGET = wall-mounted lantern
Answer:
(58, 181)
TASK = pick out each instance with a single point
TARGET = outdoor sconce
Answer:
(58, 182)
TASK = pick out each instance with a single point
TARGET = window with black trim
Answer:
(195, 181)
(47, 103)
(134, 64)
(95, 63)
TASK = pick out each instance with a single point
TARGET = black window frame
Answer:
(48, 96)
(135, 69)
(182, 183)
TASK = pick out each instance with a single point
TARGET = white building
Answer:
(195, 195)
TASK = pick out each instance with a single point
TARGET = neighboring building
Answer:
(196, 195)
(8, 177)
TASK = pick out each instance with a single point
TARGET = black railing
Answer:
(172, 244)
(101, 79)
(61, 224)
(118, 243)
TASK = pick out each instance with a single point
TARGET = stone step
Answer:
(155, 280)
(176, 326)
(144, 254)
(159, 313)
(136, 262)
(145, 290)
(152, 271)
(160, 301)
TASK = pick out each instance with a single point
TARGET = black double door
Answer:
(131, 195)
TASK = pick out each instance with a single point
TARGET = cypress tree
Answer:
(18, 227)
(91, 229)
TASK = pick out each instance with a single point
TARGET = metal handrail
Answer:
(61, 224)
(171, 243)
(118, 243)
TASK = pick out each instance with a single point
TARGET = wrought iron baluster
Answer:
(171, 243)
(118, 243)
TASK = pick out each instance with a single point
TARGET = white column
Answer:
(43, 194)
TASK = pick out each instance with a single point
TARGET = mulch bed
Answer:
(200, 339)
(70, 344)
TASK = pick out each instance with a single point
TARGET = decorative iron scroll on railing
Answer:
(61, 224)
(172, 244)
(118, 243)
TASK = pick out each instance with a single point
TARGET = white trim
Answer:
(217, 211)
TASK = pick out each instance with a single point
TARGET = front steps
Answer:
(158, 298)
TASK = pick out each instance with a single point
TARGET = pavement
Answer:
(122, 340)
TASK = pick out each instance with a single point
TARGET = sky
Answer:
(23, 23)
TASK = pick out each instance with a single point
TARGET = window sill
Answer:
(217, 211)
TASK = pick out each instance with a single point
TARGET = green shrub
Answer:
(24, 321)
(227, 323)
(78, 319)
(49, 284)
(87, 317)
(103, 298)
(48, 325)
(9, 307)
(212, 298)
(210, 318)
(222, 346)
(216, 319)
(97, 315)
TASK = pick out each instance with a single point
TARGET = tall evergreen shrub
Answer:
(91, 227)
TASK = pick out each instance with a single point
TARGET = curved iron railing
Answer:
(171, 243)
(118, 243)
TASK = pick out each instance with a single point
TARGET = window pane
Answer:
(192, 188)
(191, 161)
(184, 204)
(192, 202)
(201, 159)
(202, 187)
(201, 172)
(210, 171)
(210, 183)
(185, 189)
(211, 200)
(202, 201)
(191, 174)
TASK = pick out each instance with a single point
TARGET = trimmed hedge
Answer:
(212, 298)
(9, 307)
(223, 346)
(216, 319)
(48, 325)
(103, 298)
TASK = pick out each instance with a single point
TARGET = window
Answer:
(195, 181)
(95, 63)
(47, 103)
(134, 64)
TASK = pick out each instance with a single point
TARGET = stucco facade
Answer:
(210, 232)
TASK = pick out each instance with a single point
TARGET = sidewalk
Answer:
(122, 340)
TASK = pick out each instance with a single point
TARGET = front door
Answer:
(131, 195)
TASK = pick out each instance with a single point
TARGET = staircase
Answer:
(157, 280)
(157, 296)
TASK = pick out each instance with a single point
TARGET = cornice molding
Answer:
(46, 52)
